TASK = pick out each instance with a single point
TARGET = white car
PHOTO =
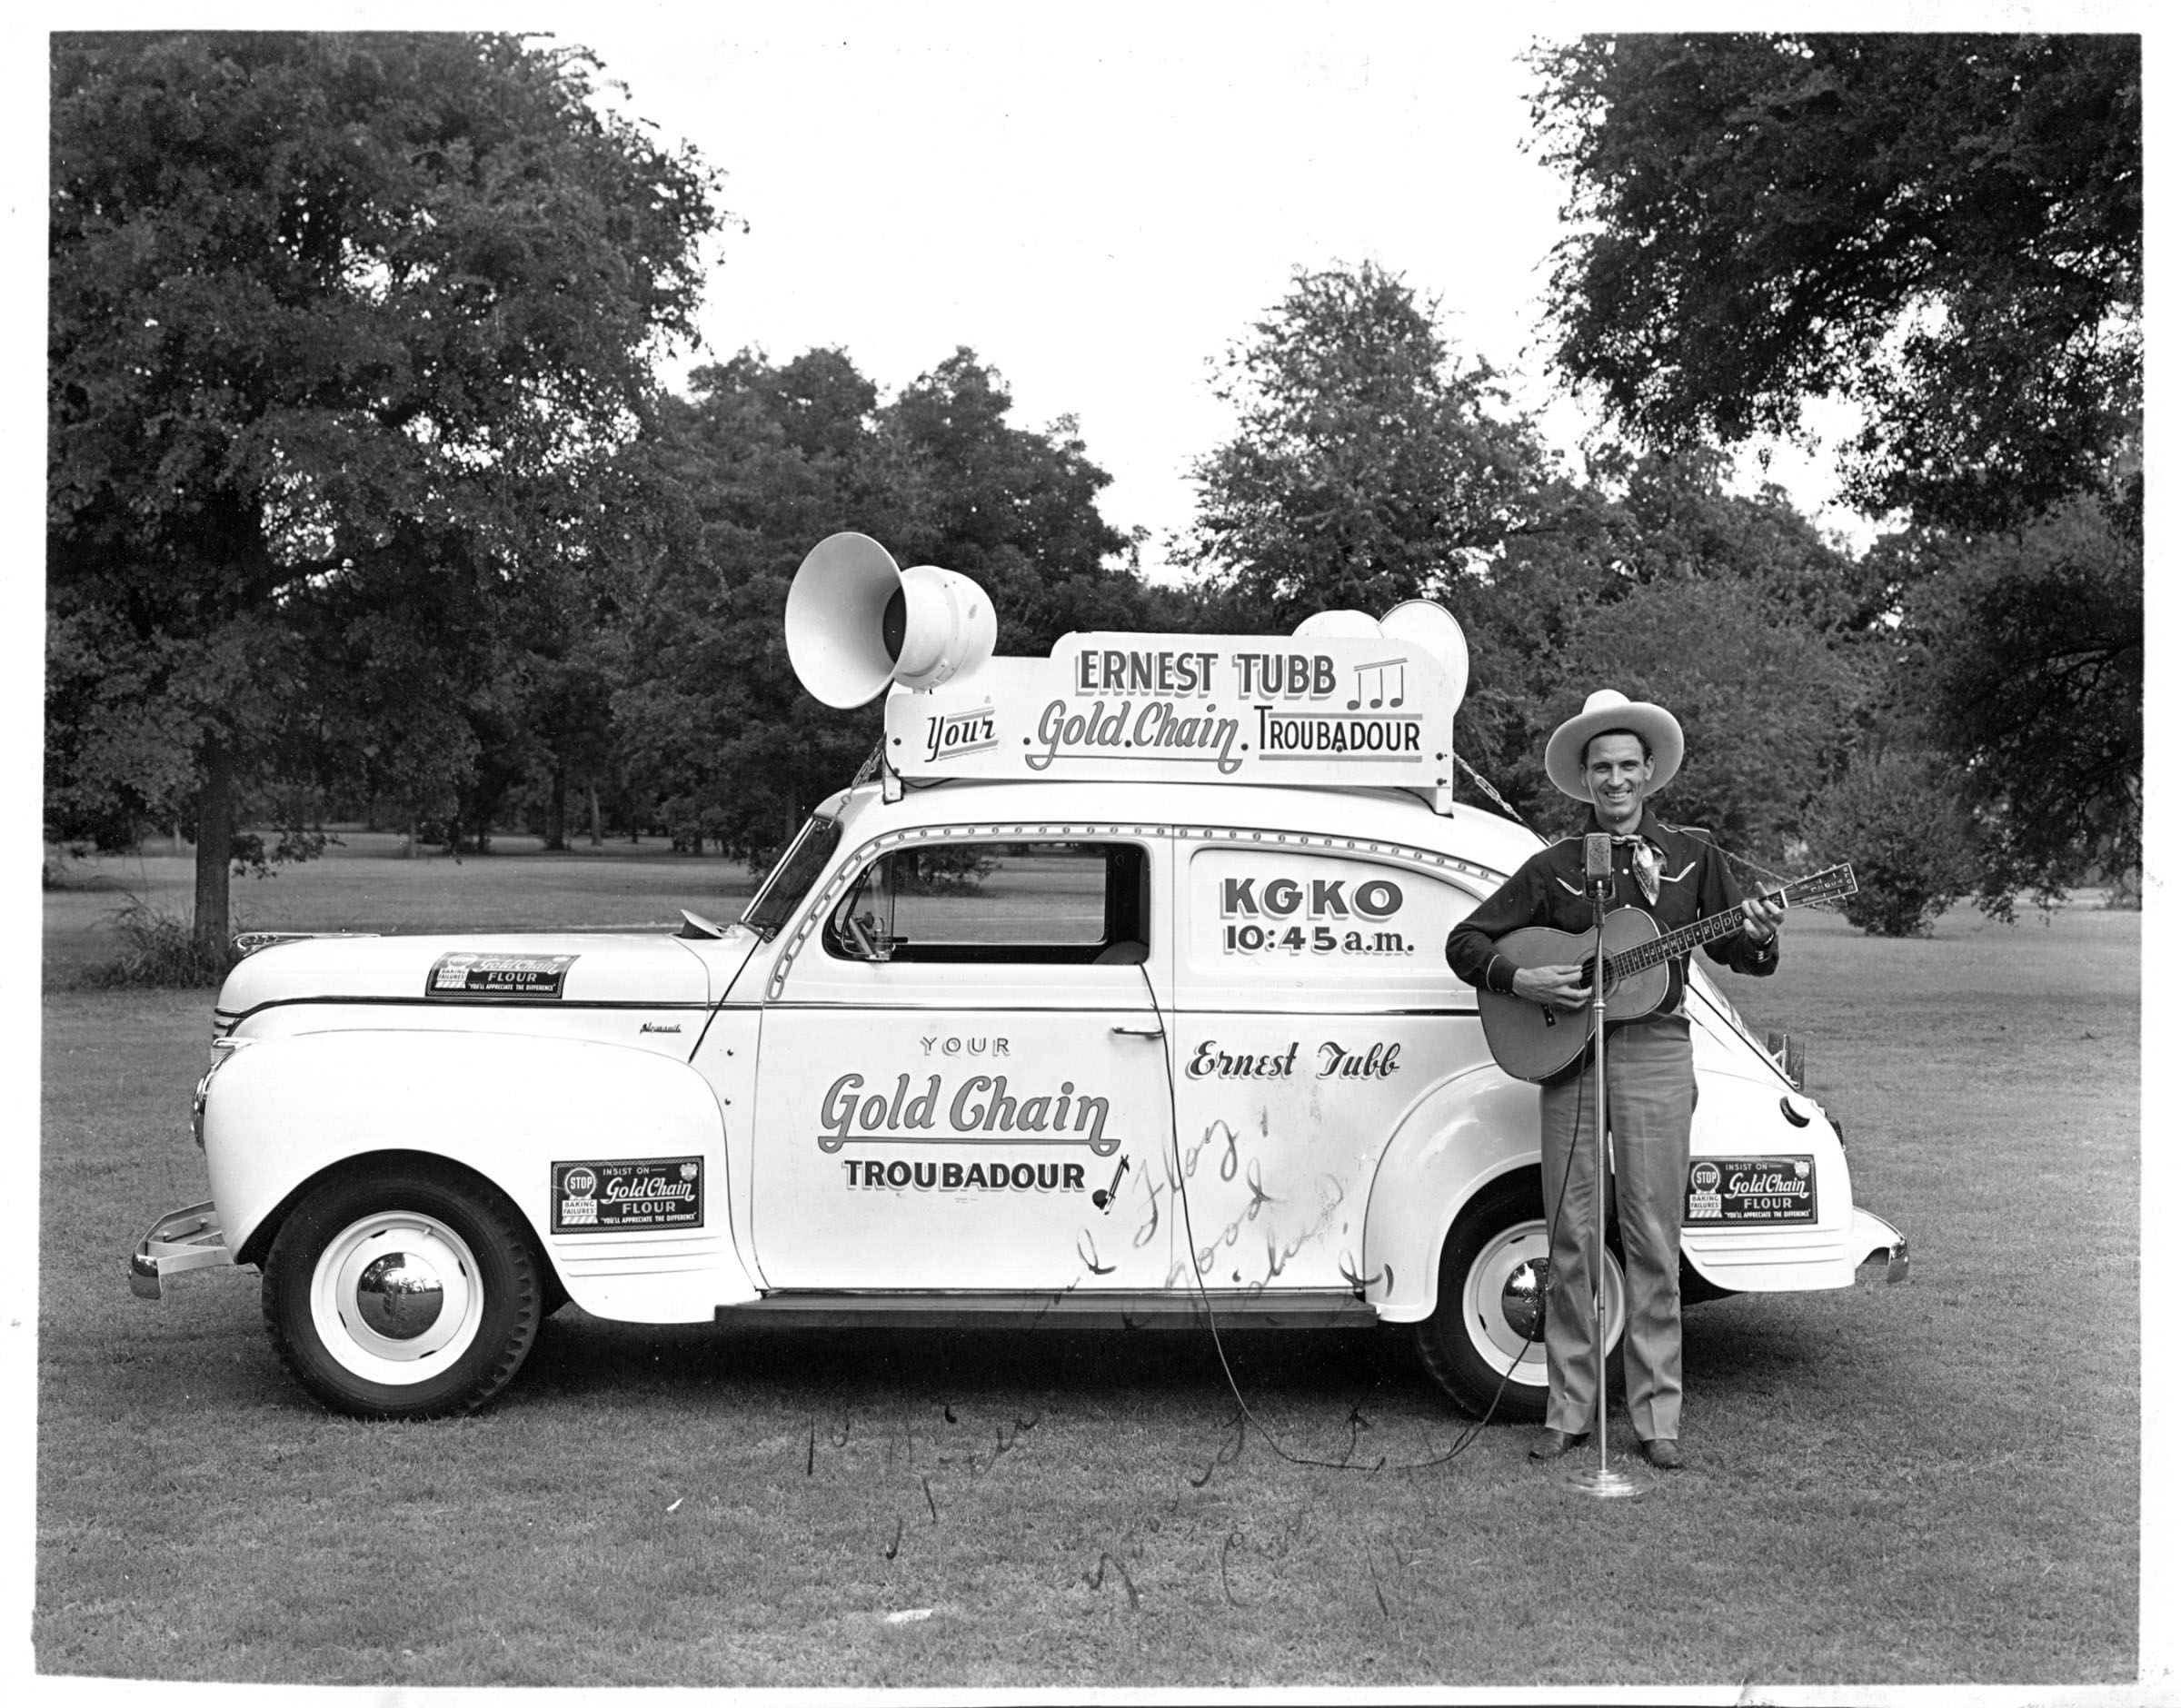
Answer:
(1054, 1045)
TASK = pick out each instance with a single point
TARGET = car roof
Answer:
(1392, 814)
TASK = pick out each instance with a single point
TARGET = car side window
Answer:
(1067, 903)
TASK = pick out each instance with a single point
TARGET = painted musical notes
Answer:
(1378, 673)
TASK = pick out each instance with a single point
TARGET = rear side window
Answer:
(1064, 903)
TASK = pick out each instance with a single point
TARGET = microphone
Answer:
(1597, 865)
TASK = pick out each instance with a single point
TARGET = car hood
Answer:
(525, 967)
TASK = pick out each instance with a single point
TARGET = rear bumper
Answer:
(1879, 1237)
(1792, 1259)
(182, 1239)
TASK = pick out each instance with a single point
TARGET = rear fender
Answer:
(284, 1110)
(1477, 1127)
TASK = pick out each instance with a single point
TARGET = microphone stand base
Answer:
(1603, 1483)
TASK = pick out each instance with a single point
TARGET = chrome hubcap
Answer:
(395, 1297)
(1503, 1302)
(1522, 1298)
(399, 1295)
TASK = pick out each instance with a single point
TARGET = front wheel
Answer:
(1485, 1343)
(409, 1293)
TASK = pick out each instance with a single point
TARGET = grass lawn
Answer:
(1931, 1484)
(367, 882)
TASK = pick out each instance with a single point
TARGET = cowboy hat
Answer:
(1605, 710)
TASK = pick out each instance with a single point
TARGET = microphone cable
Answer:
(1249, 1419)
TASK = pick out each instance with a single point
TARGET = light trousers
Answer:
(1650, 1095)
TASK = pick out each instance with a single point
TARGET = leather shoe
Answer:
(1664, 1453)
(1551, 1444)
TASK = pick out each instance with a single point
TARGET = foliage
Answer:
(1013, 509)
(344, 334)
(1370, 464)
(712, 732)
(1370, 467)
(1767, 707)
(940, 871)
(2028, 671)
(1945, 228)
(1729, 609)
(763, 462)
(1897, 817)
(160, 950)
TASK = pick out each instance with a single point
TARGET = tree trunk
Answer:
(556, 812)
(597, 840)
(215, 840)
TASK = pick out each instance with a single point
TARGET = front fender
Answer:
(284, 1110)
(1478, 1125)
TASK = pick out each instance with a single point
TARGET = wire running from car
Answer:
(1250, 1419)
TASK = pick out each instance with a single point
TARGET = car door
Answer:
(1315, 1007)
(962, 1084)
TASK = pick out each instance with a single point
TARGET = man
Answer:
(1614, 754)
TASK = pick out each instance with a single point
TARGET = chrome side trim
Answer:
(1182, 1307)
(248, 943)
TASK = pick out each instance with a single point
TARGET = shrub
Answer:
(160, 950)
(1898, 819)
(942, 871)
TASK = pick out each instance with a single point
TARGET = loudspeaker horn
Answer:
(1433, 628)
(856, 622)
(1339, 625)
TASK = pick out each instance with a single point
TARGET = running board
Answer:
(1326, 1307)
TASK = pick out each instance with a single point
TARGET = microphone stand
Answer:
(1600, 1480)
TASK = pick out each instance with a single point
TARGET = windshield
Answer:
(792, 876)
(1707, 987)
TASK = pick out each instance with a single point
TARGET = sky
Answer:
(1101, 202)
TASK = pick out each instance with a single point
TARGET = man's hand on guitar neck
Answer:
(1765, 913)
(1552, 986)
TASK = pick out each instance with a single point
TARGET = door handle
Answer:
(1140, 1031)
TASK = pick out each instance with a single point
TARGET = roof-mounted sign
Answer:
(1347, 700)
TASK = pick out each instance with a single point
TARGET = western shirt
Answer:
(1547, 890)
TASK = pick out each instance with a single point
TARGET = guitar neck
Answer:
(1679, 941)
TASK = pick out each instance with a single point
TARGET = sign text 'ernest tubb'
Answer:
(1367, 710)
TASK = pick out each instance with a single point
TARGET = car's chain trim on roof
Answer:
(1023, 830)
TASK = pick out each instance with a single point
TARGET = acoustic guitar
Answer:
(1532, 1040)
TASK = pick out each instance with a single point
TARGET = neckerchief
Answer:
(1646, 862)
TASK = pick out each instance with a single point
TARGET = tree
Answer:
(1731, 608)
(1768, 709)
(1945, 228)
(767, 460)
(763, 462)
(1369, 466)
(328, 314)
(1897, 818)
(1013, 509)
(2027, 670)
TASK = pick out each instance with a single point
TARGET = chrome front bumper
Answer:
(1881, 1238)
(182, 1239)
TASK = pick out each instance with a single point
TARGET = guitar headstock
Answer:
(1830, 885)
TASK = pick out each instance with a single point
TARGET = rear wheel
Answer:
(1485, 1343)
(408, 1292)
